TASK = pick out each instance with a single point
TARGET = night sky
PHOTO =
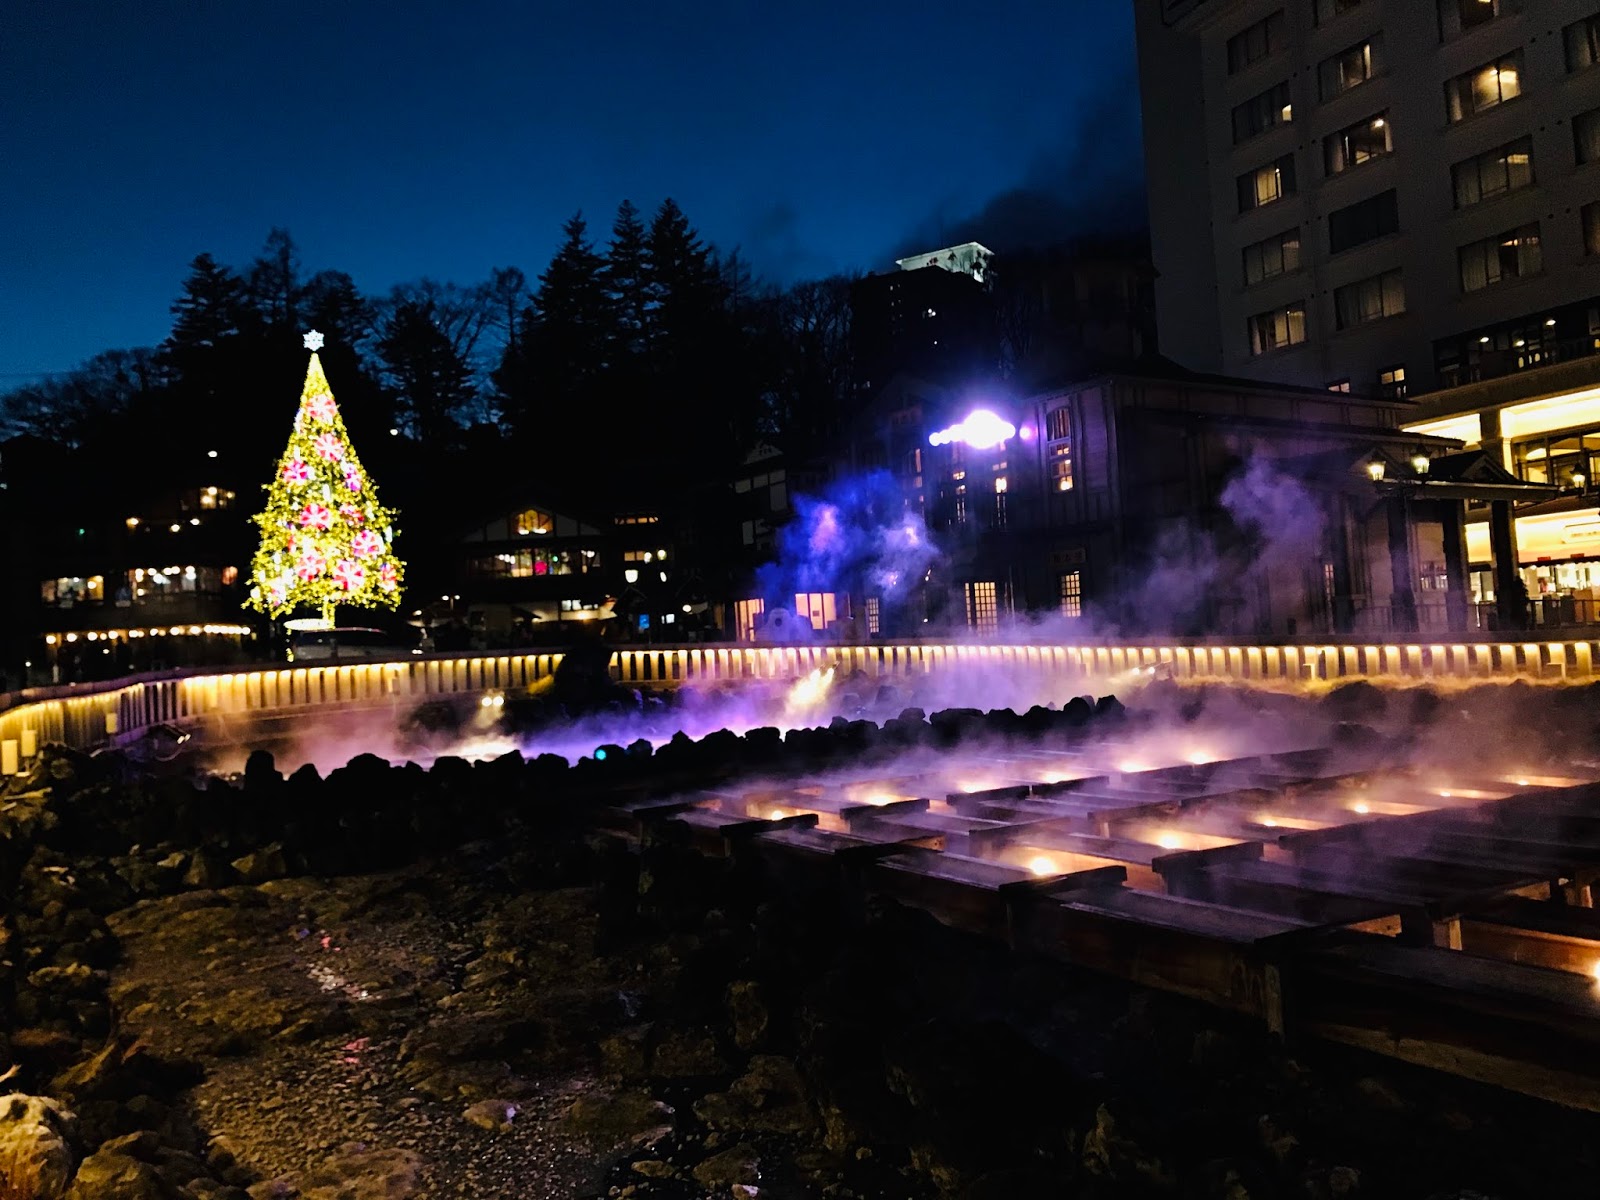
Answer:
(397, 139)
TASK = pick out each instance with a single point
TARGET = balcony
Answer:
(1498, 377)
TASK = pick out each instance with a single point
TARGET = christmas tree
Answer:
(325, 539)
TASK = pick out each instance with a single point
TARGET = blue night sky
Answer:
(397, 139)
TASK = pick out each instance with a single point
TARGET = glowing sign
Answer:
(982, 430)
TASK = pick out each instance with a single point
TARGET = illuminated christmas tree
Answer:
(325, 539)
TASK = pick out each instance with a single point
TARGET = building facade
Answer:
(1382, 196)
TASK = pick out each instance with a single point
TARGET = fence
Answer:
(94, 715)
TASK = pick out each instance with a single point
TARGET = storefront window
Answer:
(67, 590)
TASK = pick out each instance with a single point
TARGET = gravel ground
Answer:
(297, 998)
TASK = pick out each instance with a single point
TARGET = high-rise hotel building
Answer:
(1385, 196)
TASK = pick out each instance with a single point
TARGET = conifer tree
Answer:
(325, 539)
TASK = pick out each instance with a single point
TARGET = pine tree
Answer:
(325, 539)
(627, 277)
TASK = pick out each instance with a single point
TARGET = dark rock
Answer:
(632, 1118)
(262, 865)
(769, 1098)
(687, 1054)
(737, 1164)
(1112, 1152)
(748, 1011)
(110, 1174)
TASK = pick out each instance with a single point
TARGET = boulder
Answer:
(37, 1155)
(737, 1164)
(111, 1174)
(687, 1054)
(631, 1118)
(494, 1115)
(262, 865)
(358, 1172)
(769, 1098)
(749, 1013)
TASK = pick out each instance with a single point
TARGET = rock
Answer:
(654, 1168)
(769, 1098)
(633, 1118)
(37, 1157)
(1111, 1153)
(76, 980)
(109, 1174)
(262, 865)
(749, 1013)
(359, 1173)
(687, 1055)
(494, 1115)
(273, 1189)
(207, 870)
(737, 1164)
(624, 1053)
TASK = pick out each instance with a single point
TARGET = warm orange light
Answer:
(1042, 864)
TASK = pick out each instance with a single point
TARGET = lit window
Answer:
(874, 615)
(1339, 385)
(1349, 68)
(1072, 593)
(1392, 382)
(1514, 254)
(983, 611)
(1000, 484)
(531, 522)
(1484, 87)
(1504, 169)
(1261, 113)
(1058, 424)
(817, 607)
(1356, 144)
(1277, 329)
(1266, 184)
(745, 613)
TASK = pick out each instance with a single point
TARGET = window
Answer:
(1061, 468)
(1583, 43)
(745, 613)
(529, 564)
(983, 608)
(1586, 136)
(1362, 222)
(1266, 184)
(1072, 593)
(1369, 300)
(1392, 383)
(816, 607)
(1458, 16)
(1261, 113)
(215, 497)
(1279, 328)
(66, 591)
(1484, 87)
(1277, 255)
(1494, 173)
(1058, 424)
(1510, 255)
(1251, 45)
(1349, 68)
(531, 522)
(874, 615)
(1329, 9)
(1591, 228)
(1356, 144)
(1340, 385)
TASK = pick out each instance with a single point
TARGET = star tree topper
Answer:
(313, 341)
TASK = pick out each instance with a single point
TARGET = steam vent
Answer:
(894, 921)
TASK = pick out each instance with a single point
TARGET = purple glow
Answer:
(982, 430)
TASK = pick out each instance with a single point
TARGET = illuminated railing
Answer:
(93, 715)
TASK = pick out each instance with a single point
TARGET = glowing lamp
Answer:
(1419, 464)
(982, 430)
(1375, 471)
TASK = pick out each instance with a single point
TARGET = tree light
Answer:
(325, 539)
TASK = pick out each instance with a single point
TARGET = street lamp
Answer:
(1375, 470)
